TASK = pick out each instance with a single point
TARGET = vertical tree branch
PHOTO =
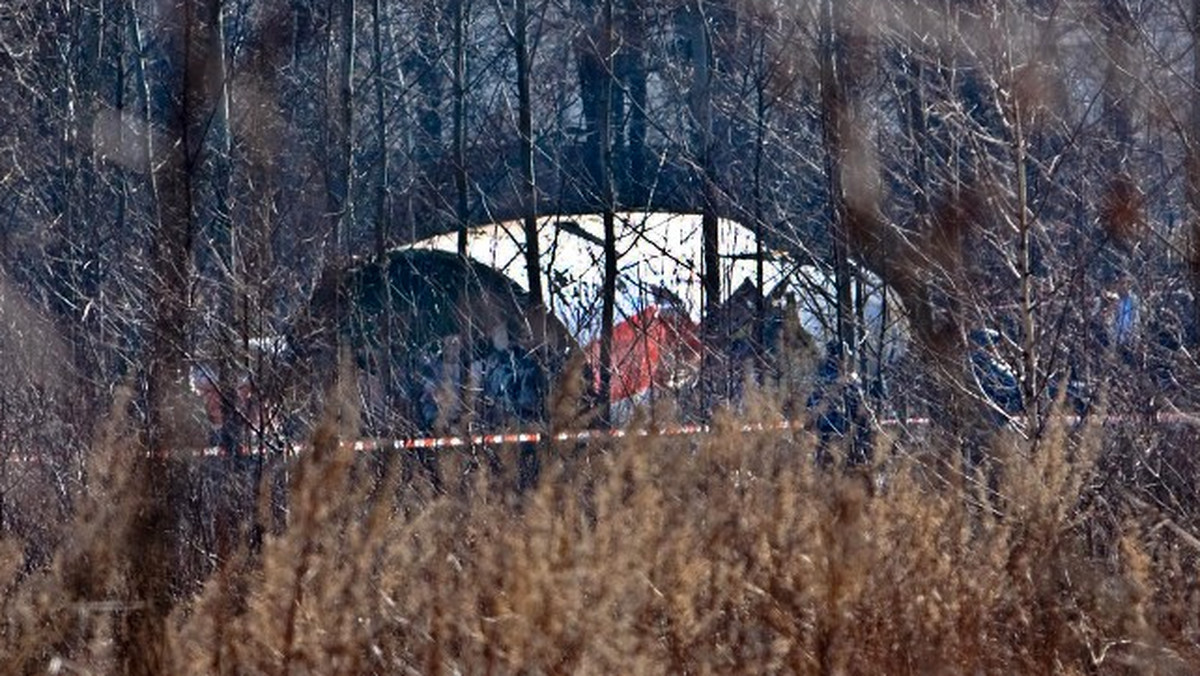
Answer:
(460, 124)
(1192, 150)
(606, 47)
(521, 51)
(835, 125)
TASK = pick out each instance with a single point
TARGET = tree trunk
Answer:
(460, 124)
(633, 76)
(761, 107)
(1193, 177)
(382, 187)
(232, 362)
(701, 100)
(341, 178)
(836, 122)
(382, 214)
(520, 38)
(429, 80)
(609, 291)
(1029, 356)
(187, 47)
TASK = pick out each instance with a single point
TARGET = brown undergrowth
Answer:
(729, 553)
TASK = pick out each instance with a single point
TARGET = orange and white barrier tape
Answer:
(500, 439)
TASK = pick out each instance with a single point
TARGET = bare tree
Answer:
(1192, 146)
(341, 128)
(516, 26)
(607, 47)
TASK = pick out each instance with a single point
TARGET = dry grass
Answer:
(727, 554)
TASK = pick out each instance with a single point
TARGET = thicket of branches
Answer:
(176, 179)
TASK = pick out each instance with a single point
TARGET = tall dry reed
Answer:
(729, 553)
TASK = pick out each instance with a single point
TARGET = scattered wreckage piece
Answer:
(434, 341)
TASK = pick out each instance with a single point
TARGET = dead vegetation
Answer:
(730, 553)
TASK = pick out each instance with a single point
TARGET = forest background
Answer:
(175, 179)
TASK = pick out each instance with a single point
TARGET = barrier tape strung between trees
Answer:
(500, 439)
